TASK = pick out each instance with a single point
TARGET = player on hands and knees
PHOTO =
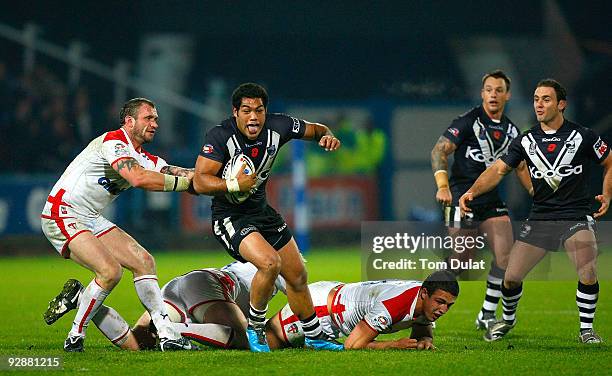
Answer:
(363, 310)
(477, 139)
(252, 230)
(72, 222)
(559, 154)
(209, 306)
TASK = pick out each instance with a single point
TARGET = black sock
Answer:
(586, 300)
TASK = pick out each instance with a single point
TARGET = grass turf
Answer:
(544, 341)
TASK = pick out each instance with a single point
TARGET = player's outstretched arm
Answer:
(363, 337)
(206, 182)
(488, 180)
(439, 166)
(323, 135)
(139, 177)
(177, 171)
(604, 197)
(522, 172)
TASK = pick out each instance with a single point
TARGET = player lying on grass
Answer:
(361, 311)
(209, 306)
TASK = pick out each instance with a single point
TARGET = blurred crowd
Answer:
(43, 122)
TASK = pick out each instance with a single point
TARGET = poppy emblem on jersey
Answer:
(497, 135)
(454, 131)
(551, 147)
(254, 152)
(207, 149)
(271, 150)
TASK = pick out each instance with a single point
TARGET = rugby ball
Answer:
(231, 169)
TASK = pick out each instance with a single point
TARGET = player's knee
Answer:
(270, 265)
(148, 263)
(110, 275)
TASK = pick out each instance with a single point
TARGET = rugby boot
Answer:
(257, 339)
(182, 343)
(74, 344)
(484, 322)
(64, 302)
(497, 331)
(323, 342)
(589, 336)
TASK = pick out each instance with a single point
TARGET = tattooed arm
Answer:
(439, 165)
(177, 171)
(139, 177)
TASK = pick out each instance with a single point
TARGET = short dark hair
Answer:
(131, 107)
(441, 280)
(559, 89)
(249, 90)
(498, 73)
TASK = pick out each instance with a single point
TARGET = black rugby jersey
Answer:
(480, 142)
(225, 140)
(559, 165)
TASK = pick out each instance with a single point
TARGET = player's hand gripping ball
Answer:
(231, 170)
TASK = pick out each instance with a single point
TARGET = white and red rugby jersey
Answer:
(386, 306)
(89, 183)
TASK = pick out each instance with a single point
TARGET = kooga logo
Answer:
(560, 171)
(478, 156)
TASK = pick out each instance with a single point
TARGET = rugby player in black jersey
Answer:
(477, 139)
(252, 230)
(559, 155)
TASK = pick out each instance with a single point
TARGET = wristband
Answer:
(182, 183)
(232, 185)
(175, 183)
(441, 177)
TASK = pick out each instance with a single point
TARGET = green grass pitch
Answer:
(544, 342)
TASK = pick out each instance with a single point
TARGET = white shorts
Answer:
(196, 289)
(291, 325)
(60, 230)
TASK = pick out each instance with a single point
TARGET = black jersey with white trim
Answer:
(225, 140)
(559, 165)
(480, 142)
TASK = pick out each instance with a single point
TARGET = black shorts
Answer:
(550, 235)
(231, 230)
(479, 214)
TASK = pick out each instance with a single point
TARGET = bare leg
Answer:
(498, 231)
(134, 257)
